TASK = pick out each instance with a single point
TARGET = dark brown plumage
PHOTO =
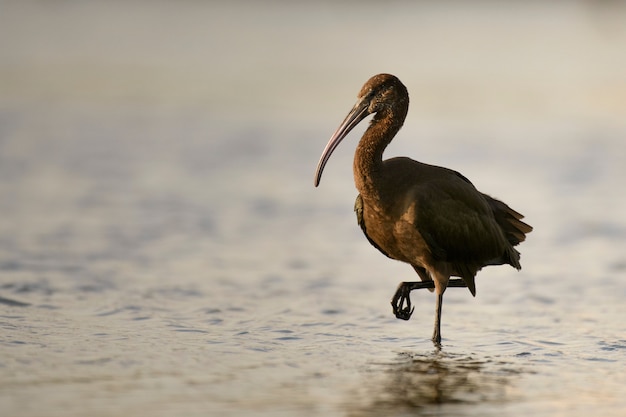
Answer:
(428, 216)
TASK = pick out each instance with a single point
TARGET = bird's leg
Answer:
(402, 297)
(457, 282)
(437, 331)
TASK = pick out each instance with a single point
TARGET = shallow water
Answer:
(164, 252)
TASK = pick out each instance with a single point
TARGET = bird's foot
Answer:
(400, 298)
(437, 339)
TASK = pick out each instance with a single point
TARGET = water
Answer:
(163, 250)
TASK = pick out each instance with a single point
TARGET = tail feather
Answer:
(510, 221)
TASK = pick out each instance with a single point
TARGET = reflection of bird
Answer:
(412, 384)
(428, 216)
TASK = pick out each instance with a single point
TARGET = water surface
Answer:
(163, 250)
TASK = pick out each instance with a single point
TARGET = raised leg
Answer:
(402, 297)
(457, 283)
(401, 301)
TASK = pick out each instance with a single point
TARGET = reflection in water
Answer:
(416, 382)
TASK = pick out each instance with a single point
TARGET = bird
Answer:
(428, 216)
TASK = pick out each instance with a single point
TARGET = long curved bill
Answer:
(358, 113)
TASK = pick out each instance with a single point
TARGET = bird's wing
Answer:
(456, 221)
(358, 209)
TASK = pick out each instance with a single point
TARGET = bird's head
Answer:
(380, 95)
(382, 92)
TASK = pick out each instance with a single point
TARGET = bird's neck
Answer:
(368, 159)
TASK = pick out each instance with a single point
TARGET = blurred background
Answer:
(163, 249)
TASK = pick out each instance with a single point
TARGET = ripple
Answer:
(613, 346)
(288, 338)
(190, 331)
(13, 303)
(119, 310)
(332, 312)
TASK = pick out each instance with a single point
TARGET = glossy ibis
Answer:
(430, 217)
